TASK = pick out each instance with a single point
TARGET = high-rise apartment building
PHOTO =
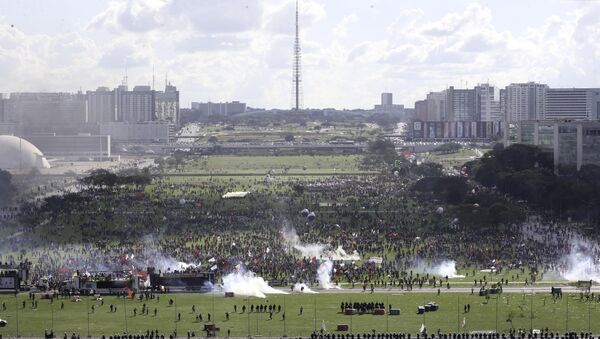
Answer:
(525, 101)
(461, 105)
(436, 106)
(488, 109)
(101, 105)
(138, 105)
(167, 104)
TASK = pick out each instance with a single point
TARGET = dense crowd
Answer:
(131, 228)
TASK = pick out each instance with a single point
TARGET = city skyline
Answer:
(352, 50)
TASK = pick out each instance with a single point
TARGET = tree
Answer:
(100, 177)
(289, 137)
(381, 151)
(213, 139)
(452, 190)
(429, 169)
(179, 156)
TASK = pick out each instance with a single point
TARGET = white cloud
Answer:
(341, 29)
(242, 49)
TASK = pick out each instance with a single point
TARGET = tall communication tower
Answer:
(296, 69)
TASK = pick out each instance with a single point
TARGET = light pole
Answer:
(17, 313)
(125, 312)
(531, 313)
(567, 315)
(497, 297)
(175, 314)
(387, 314)
(351, 316)
(589, 318)
(52, 311)
(248, 310)
(87, 302)
(284, 320)
(457, 313)
(315, 313)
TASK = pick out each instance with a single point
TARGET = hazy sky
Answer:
(353, 50)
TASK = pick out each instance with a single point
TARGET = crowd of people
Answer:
(131, 228)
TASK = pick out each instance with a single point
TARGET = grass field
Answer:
(566, 313)
(312, 131)
(300, 164)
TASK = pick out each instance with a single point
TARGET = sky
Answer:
(352, 50)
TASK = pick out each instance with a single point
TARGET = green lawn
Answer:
(295, 164)
(484, 315)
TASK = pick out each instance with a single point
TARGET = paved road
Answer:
(522, 289)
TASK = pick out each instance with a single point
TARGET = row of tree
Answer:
(107, 179)
(527, 173)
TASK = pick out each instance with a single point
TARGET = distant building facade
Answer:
(73, 146)
(455, 130)
(570, 142)
(387, 99)
(167, 105)
(219, 108)
(572, 104)
(477, 104)
(46, 112)
(387, 105)
(139, 132)
(101, 105)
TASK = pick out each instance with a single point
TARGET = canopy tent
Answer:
(231, 195)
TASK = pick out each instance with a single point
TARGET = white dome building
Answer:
(17, 153)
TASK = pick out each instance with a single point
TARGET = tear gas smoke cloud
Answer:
(324, 275)
(302, 288)
(246, 283)
(316, 250)
(582, 262)
(446, 268)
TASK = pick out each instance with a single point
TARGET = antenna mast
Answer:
(296, 68)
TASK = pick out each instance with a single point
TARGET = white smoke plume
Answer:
(319, 251)
(446, 268)
(582, 262)
(324, 275)
(302, 288)
(246, 283)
